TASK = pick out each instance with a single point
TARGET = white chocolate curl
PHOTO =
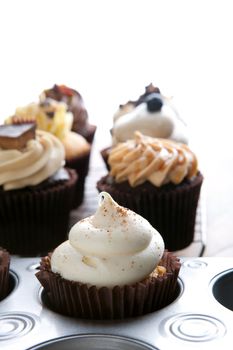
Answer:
(113, 247)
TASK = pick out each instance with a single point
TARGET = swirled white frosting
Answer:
(164, 123)
(40, 159)
(113, 247)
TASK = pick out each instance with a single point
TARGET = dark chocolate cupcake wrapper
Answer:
(171, 209)
(4, 272)
(81, 166)
(88, 131)
(104, 154)
(78, 300)
(34, 220)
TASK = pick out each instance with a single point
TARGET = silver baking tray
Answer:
(199, 318)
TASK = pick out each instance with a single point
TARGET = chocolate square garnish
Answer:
(16, 136)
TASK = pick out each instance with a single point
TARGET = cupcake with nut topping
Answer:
(53, 116)
(113, 266)
(36, 191)
(159, 179)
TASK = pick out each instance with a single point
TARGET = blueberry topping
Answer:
(154, 102)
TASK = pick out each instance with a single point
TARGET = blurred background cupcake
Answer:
(113, 266)
(158, 179)
(75, 103)
(152, 114)
(36, 191)
(4, 272)
(53, 116)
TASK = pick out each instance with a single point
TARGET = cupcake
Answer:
(36, 191)
(4, 272)
(152, 114)
(113, 266)
(158, 179)
(52, 116)
(75, 104)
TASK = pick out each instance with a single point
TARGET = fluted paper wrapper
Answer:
(171, 209)
(81, 166)
(88, 131)
(79, 300)
(34, 220)
(4, 272)
(105, 154)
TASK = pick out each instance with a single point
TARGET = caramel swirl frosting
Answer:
(36, 162)
(156, 160)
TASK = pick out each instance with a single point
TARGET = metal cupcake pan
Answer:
(200, 317)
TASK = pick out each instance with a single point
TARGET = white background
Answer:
(110, 50)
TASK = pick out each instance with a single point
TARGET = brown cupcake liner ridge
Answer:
(79, 300)
(170, 209)
(34, 221)
(4, 273)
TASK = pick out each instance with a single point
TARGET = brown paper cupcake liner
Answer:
(81, 166)
(4, 272)
(171, 209)
(34, 220)
(79, 300)
(88, 131)
(104, 154)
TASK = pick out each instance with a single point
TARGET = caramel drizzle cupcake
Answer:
(158, 161)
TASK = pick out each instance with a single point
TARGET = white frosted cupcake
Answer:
(112, 266)
(152, 114)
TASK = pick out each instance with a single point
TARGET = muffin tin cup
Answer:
(82, 301)
(194, 320)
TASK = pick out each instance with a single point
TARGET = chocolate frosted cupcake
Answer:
(152, 114)
(52, 116)
(36, 192)
(112, 267)
(75, 104)
(158, 179)
(4, 272)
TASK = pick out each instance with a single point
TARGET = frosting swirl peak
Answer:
(40, 159)
(115, 246)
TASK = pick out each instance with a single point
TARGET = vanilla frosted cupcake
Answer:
(152, 114)
(159, 179)
(36, 191)
(52, 116)
(112, 266)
